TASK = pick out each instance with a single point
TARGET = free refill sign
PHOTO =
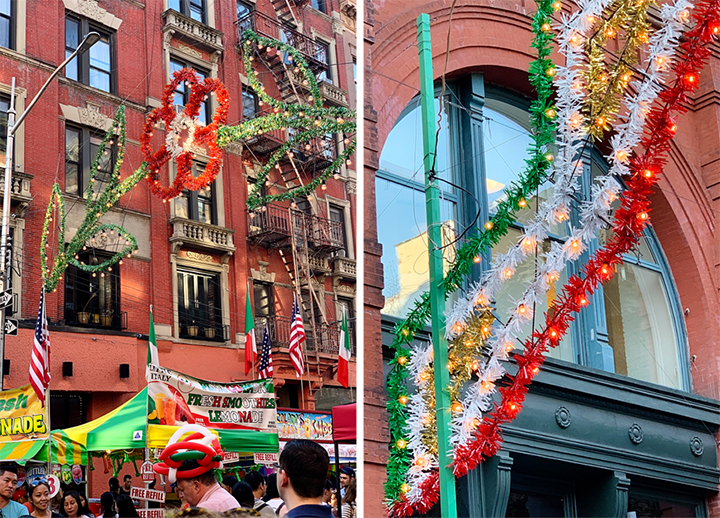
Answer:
(140, 493)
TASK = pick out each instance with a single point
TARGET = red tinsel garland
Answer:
(203, 135)
(628, 224)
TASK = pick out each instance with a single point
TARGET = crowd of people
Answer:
(300, 488)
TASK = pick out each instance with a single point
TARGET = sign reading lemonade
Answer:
(175, 399)
(22, 416)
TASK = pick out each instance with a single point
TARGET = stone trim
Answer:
(345, 204)
(19, 158)
(88, 116)
(90, 9)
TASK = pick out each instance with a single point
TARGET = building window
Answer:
(197, 205)
(81, 149)
(199, 305)
(182, 92)
(249, 104)
(7, 27)
(346, 306)
(195, 9)
(337, 214)
(68, 409)
(264, 300)
(4, 109)
(320, 5)
(323, 55)
(634, 325)
(95, 67)
(243, 9)
(93, 299)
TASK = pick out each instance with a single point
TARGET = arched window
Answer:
(634, 325)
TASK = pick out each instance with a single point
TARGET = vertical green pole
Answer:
(448, 503)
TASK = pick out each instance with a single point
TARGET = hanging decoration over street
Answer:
(308, 120)
(542, 118)
(630, 220)
(100, 197)
(467, 416)
(197, 134)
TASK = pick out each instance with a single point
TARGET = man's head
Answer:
(228, 483)
(8, 482)
(194, 488)
(303, 471)
(346, 474)
(257, 483)
(114, 485)
(127, 482)
(327, 494)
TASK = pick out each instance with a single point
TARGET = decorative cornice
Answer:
(91, 9)
(88, 116)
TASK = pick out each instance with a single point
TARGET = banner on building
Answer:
(175, 399)
(304, 425)
(22, 416)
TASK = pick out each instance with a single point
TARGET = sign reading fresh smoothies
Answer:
(176, 399)
(22, 416)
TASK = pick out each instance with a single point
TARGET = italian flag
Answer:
(344, 356)
(250, 343)
(152, 356)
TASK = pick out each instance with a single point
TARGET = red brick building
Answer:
(199, 253)
(625, 421)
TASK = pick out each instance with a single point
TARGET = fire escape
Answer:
(304, 240)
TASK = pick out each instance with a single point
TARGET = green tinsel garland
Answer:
(97, 206)
(312, 120)
(541, 72)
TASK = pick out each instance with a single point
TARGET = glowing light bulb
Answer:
(590, 18)
(600, 121)
(557, 6)
(551, 71)
(512, 406)
(522, 203)
(457, 407)
(403, 400)
(545, 27)
(553, 333)
(402, 360)
(489, 225)
(549, 157)
(550, 113)
(508, 272)
(477, 259)
(642, 216)
(605, 269)
(521, 309)
(610, 32)
(405, 488)
(401, 444)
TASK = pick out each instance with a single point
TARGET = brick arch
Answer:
(478, 43)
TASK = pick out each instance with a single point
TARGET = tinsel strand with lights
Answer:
(541, 71)
(630, 220)
(594, 215)
(91, 231)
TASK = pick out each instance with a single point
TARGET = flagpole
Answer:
(255, 358)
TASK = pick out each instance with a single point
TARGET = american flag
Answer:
(40, 360)
(297, 337)
(266, 368)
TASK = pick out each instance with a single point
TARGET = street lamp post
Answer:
(88, 41)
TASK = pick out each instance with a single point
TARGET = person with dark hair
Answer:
(242, 492)
(127, 485)
(228, 483)
(71, 505)
(203, 490)
(272, 497)
(301, 479)
(114, 486)
(258, 485)
(346, 475)
(8, 482)
(348, 509)
(39, 493)
(327, 494)
(84, 507)
(107, 501)
(125, 507)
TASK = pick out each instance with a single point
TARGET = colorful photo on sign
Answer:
(176, 399)
(304, 425)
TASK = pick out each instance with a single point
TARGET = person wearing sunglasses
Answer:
(39, 494)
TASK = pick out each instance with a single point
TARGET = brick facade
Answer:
(143, 44)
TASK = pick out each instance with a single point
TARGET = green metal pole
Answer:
(448, 502)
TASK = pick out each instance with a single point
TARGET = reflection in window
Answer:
(81, 149)
(323, 55)
(249, 104)
(182, 92)
(243, 10)
(197, 205)
(199, 307)
(195, 9)
(4, 108)
(93, 68)
(6, 24)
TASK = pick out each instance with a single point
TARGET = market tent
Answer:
(125, 428)
(22, 450)
(344, 419)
